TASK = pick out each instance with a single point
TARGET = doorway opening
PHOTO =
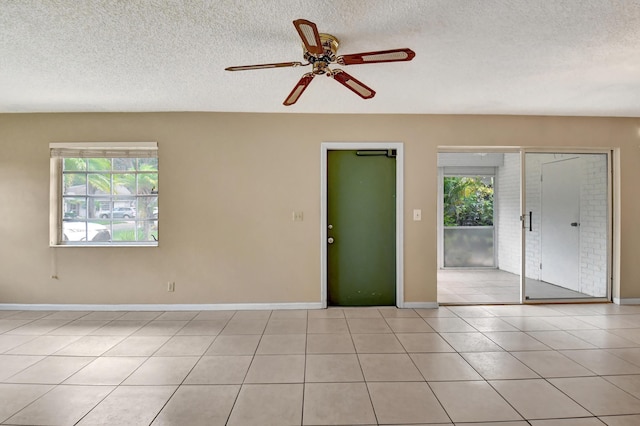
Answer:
(551, 231)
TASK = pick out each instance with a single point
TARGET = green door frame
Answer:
(333, 146)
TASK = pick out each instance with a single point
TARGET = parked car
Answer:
(120, 213)
(85, 231)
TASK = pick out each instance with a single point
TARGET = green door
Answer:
(361, 217)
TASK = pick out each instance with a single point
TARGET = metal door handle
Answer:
(330, 240)
(576, 224)
(524, 217)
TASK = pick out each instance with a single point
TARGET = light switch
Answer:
(417, 215)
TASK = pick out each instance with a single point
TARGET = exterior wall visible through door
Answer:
(508, 214)
(593, 219)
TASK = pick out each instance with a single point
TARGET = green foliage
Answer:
(468, 201)
(130, 235)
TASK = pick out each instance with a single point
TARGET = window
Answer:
(104, 194)
(468, 233)
(468, 201)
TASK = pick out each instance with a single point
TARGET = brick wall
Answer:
(508, 213)
(593, 225)
(593, 218)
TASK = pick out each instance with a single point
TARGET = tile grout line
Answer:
(255, 351)
(132, 372)
(304, 371)
(190, 370)
(422, 375)
(559, 351)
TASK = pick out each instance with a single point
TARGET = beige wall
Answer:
(228, 185)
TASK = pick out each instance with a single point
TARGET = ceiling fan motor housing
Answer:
(321, 62)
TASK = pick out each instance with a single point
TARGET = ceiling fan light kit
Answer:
(319, 50)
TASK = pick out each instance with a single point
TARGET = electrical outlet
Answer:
(298, 216)
(171, 286)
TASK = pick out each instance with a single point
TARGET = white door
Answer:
(560, 224)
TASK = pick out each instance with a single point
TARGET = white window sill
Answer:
(101, 245)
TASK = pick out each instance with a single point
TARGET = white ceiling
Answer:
(547, 57)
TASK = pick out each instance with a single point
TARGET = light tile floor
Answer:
(478, 286)
(540, 365)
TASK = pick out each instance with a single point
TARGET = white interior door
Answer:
(560, 224)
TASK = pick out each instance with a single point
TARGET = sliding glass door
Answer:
(566, 226)
(526, 225)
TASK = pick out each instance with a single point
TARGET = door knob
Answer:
(330, 240)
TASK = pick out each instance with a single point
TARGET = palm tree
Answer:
(97, 182)
(467, 201)
(145, 185)
(116, 179)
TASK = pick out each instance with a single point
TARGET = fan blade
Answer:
(310, 36)
(352, 84)
(394, 55)
(298, 89)
(264, 66)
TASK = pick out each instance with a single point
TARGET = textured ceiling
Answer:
(564, 57)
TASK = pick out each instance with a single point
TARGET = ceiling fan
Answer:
(320, 52)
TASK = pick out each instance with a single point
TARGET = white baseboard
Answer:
(421, 305)
(158, 307)
(626, 301)
(184, 307)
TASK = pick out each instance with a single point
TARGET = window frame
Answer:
(61, 150)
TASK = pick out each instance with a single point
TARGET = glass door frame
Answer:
(524, 219)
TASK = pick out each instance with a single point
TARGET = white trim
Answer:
(626, 301)
(516, 149)
(104, 145)
(325, 147)
(440, 219)
(323, 225)
(523, 235)
(616, 220)
(55, 201)
(421, 305)
(157, 307)
(76, 244)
